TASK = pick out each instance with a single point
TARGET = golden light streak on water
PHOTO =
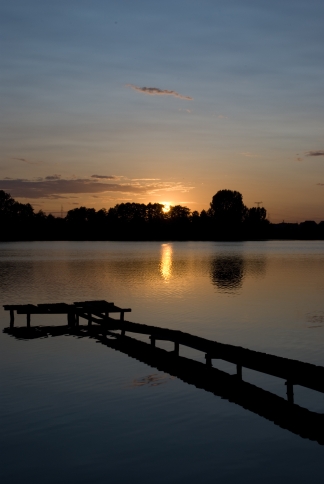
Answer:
(166, 262)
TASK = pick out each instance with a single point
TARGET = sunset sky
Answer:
(109, 101)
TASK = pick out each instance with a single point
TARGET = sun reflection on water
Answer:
(166, 261)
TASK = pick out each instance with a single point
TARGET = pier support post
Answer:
(77, 321)
(121, 315)
(12, 318)
(290, 391)
(208, 361)
(152, 341)
(239, 371)
(71, 319)
(28, 320)
(90, 320)
(176, 348)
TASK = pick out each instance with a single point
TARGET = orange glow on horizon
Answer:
(166, 207)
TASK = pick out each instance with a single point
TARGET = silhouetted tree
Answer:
(195, 216)
(129, 212)
(178, 212)
(80, 215)
(227, 208)
(154, 212)
(12, 210)
(6, 203)
(255, 216)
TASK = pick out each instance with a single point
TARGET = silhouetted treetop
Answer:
(256, 216)
(10, 209)
(227, 208)
(178, 212)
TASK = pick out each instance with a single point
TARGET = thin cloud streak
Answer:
(155, 91)
(52, 177)
(105, 177)
(315, 153)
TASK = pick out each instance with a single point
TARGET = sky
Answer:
(111, 101)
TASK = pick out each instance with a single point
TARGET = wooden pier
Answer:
(293, 372)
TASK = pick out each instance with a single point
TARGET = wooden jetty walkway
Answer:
(293, 372)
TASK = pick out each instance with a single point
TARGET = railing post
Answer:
(290, 391)
(239, 371)
(71, 319)
(176, 348)
(208, 360)
(12, 318)
(122, 319)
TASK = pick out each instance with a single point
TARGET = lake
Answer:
(79, 412)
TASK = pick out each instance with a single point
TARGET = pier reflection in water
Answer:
(301, 421)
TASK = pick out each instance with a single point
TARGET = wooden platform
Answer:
(84, 309)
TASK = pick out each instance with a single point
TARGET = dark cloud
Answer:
(53, 177)
(155, 91)
(106, 177)
(55, 188)
(315, 153)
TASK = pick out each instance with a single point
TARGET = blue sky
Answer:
(71, 112)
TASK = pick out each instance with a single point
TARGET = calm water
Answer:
(77, 412)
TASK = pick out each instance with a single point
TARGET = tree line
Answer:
(227, 218)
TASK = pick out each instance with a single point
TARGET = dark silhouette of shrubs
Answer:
(226, 219)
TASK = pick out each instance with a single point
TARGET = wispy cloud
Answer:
(105, 177)
(168, 187)
(55, 187)
(315, 153)
(155, 91)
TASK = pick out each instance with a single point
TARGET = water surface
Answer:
(75, 411)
